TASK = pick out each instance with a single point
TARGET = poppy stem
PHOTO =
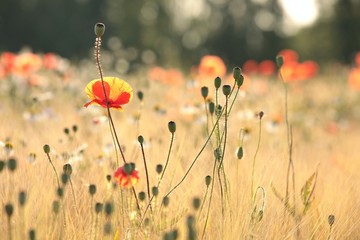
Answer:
(97, 59)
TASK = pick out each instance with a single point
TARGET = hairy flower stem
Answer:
(210, 198)
(56, 174)
(254, 160)
(97, 59)
(167, 158)
(146, 172)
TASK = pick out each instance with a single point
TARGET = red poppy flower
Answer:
(213, 66)
(126, 176)
(118, 92)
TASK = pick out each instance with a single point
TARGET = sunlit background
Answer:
(177, 33)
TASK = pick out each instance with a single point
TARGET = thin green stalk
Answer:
(210, 199)
(254, 159)
(56, 174)
(146, 170)
(73, 194)
(167, 158)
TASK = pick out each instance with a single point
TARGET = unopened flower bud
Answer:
(331, 220)
(159, 168)
(217, 82)
(166, 201)
(141, 139)
(211, 108)
(140, 95)
(92, 189)
(98, 207)
(142, 196)
(99, 29)
(46, 149)
(208, 180)
(279, 61)
(67, 168)
(240, 81)
(155, 191)
(172, 126)
(12, 164)
(204, 92)
(22, 198)
(9, 209)
(196, 203)
(226, 90)
(236, 73)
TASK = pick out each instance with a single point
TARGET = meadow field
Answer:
(255, 157)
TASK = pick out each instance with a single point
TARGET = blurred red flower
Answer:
(250, 67)
(354, 79)
(126, 176)
(267, 68)
(118, 92)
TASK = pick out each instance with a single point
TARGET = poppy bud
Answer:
(9, 209)
(207, 180)
(108, 208)
(12, 164)
(196, 203)
(226, 90)
(140, 95)
(155, 191)
(279, 61)
(66, 131)
(166, 201)
(331, 220)
(172, 126)
(60, 192)
(98, 207)
(74, 128)
(92, 189)
(64, 178)
(67, 168)
(108, 177)
(240, 81)
(240, 153)
(159, 168)
(128, 168)
(236, 73)
(217, 82)
(142, 196)
(99, 29)
(56, 207)
(141, 139)
(211, 108)
(204, 92)
(46, 149)
(32, 234)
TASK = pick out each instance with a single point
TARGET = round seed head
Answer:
(240, 153)
(67, 168)
(331, 220)
(98, 207)
(46, 149)
(208, 180)
(75, 128)
(211, 108)
(204, 92)
(172, 126)
(9, 209)
(141, 139)
(67, 131)
(142, 196)
(196, 203)
(32, 234)
(12, 164)
(279, 61)
(99, 29)
(60, 192)
(217, 82)
(155, 191)
(108, 177)
(92, 189)
(140, 95)
(64, 178)
(240, 81)
(108, 208)
(226, 90)
(159, 168)
(166, 201)
(236, 73)
(2, 165)
(56, 207)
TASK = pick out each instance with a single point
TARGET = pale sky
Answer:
(301, 12)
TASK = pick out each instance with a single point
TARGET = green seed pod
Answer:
(240, 152)
(12, 164)
(208, 180)
(211, 108)
(204, 92)
(166, 201)
(155, 191)
(108, 208)
(279, 61)
(67, 131)
(22, 198)
(67, 168)
(141, 139)
(240, 81)
(32, 235)
(9, 209)
(75, 128)
(108, 177)
(56, 207)
(331, 220)
(99, 29)
(217, 82)
(172, 126)
(60, 192)
(142, 196)
(107, 228)
(98, 207)
(128, 168)
(2, 165)
(196, 202)
(236, 73)
(64, 178)
(159, 168)
(46, 149)
(92, 189)
(226, 90)
(140, 95)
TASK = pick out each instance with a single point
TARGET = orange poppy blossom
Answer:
(118, 92)
(126, 176)
(211, 65)
(354, 79)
